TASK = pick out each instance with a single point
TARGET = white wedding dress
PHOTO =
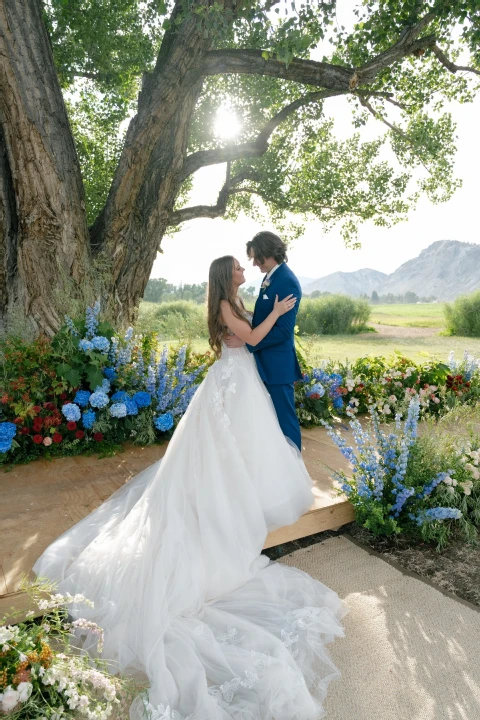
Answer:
(173, 564)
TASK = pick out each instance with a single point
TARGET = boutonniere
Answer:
(265, 284)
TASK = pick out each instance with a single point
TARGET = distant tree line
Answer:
(161, 291)
(376, 299)
(390, 299)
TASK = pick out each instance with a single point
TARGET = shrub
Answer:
(463, 315)
(177, 320)
(332, 315)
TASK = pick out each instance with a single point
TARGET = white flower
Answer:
(10, 699)
(448, 480)
(30, 613)
(24, 690)
(474, 471)
(451, 490)
(7, 633)
(392, 399)
(467, 487)
(436, 399)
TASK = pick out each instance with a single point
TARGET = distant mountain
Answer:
(445, 269)
(348, 283)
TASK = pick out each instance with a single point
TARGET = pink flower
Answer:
(47, 441)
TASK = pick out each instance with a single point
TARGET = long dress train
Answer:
(173, 564)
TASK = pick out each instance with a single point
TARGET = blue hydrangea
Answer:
(85, 345)
(132, 407)
(101, 343)
(120, 396)
(316, 389)
(71, 412)
(118, 410)
(143, 399)
(82, 397)
(104, 387)
(99, 400)
(8, 430)
(88, 419)
(164, 422)
(110, 373)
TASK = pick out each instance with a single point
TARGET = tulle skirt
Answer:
(173, 564)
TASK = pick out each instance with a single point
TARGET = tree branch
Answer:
(256, 147)
(449, 64)
(251, 62)
(219, 209)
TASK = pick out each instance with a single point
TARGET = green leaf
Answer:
(94, 377)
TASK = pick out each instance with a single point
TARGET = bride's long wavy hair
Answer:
(220, 287)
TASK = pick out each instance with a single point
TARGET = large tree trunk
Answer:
(148, 178)
(44, 244)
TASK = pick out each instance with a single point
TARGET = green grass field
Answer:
(430, 315)
(351, 347)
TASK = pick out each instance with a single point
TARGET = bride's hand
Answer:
(283, 306)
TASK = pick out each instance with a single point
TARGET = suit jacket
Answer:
(276, 358)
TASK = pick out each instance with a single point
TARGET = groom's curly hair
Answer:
(266, 244)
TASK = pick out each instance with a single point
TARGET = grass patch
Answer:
(351, 347)
(409, 315)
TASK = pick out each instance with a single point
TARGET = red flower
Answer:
(37, 423)
(79, 434)
(98, 437)
(49, 406)
(25, 431)
(37, 439)
(57, 438)
(56, 421)
(26, 397)
(37, 408)
(5, 398)
(18, 421)
(71, 425)
(63, 396)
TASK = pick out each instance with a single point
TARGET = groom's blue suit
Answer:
(276, 358)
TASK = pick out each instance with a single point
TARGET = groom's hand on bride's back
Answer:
(232, 341)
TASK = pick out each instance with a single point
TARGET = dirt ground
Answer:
(456, 570)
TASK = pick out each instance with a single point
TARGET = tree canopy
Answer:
(108, 109)
(397, 65)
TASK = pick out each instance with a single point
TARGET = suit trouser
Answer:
(283, 398)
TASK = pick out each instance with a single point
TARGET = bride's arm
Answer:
(242, 329)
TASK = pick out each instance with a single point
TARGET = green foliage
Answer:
(173, 320)
(102, 48)
(332, 315)
(463, 315)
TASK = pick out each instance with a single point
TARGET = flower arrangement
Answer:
(105, 389)
(42, 674)
(347, 389)
(388, 493)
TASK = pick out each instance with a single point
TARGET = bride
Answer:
(173, 559)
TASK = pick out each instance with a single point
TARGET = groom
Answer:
(275, 355)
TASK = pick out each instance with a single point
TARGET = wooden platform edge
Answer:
(315, 521)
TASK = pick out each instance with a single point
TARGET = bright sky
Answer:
(187, 256)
